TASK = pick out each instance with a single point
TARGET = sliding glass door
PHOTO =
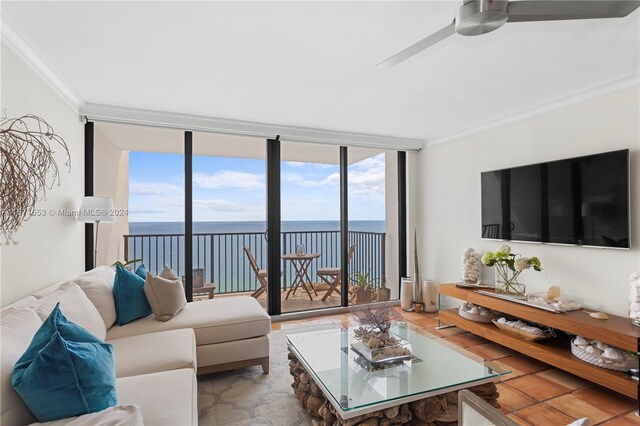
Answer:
(297, 226)
(310, 227)
(229, 210)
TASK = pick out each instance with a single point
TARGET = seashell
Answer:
(484, 312)
(474, 310)
(601, 346)
(613, 354)
(580, 341)
(597, 315)
(593, 350)
(502, 320)
(634, 276)
(553, 293)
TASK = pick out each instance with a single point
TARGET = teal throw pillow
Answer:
(141, 271)
(66, 371)
(128, 295)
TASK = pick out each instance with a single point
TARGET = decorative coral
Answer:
(377, 319)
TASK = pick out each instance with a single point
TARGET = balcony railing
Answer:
(224, 263)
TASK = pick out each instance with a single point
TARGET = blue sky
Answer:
(232, 189)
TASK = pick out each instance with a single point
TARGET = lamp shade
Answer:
(96, 209)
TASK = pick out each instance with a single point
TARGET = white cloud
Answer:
(154, 188)
(291, 177)
(229, 179)
(300, 164)
(368, 176)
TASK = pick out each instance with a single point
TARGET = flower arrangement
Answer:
(508, 267)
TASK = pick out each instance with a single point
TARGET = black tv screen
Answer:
(579, 201)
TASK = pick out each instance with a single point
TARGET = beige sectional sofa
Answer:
(156, 362)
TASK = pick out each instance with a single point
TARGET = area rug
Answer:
(248, 397)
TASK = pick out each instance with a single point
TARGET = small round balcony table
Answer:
(301, 263)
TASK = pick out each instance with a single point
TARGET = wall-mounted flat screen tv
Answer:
(578, 201)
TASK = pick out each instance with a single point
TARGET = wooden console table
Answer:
(616, 331)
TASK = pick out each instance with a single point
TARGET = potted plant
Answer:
(362, 286)
(384, 293)
(126, 264)
(508, 267)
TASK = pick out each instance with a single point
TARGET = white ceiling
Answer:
(312, 63)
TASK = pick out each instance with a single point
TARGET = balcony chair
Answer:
(331, 276)
(199, 286)
(261, 274)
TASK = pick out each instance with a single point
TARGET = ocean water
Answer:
(218, 249)
(137, 228)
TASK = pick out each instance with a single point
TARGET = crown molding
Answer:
(145, 117)
(12, 39)
(611, 86)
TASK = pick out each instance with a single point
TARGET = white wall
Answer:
(52, 247)
(111, 179)
(450, 217)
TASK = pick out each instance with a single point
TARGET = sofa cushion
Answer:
(66, 371)
(169, 274)
(212, 320)
(128, 294)
(141, 271)
(154, 352)
(120, 415)
(97, 284)
(17, 328)
(166, 398)
(165, 296)
(29, 300)
(76, 307)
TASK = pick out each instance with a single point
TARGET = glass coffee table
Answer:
(325, 367)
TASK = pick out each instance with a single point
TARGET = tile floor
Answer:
(534, 393)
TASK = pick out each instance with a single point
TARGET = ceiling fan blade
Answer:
(419, 46)
(555, 10)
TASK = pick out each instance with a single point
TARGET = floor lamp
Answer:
(96, 209)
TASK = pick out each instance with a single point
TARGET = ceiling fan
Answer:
(476, 17)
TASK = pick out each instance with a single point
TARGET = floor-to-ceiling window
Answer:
(229, 212)
(142, 170)
(148, 172)
(373, 229)
(310, 205)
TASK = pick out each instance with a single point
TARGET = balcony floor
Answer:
(296, 302)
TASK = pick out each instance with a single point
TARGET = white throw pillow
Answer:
(75, 306)
(120, 415)
(17, 328)
(97, 284)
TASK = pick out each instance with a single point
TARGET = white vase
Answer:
(406, 293)
(634, 298)
(429, 295)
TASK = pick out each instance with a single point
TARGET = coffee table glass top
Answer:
(353, 383)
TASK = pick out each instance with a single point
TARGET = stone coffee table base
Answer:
(436, 410)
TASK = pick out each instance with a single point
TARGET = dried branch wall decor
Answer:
(27, 168)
